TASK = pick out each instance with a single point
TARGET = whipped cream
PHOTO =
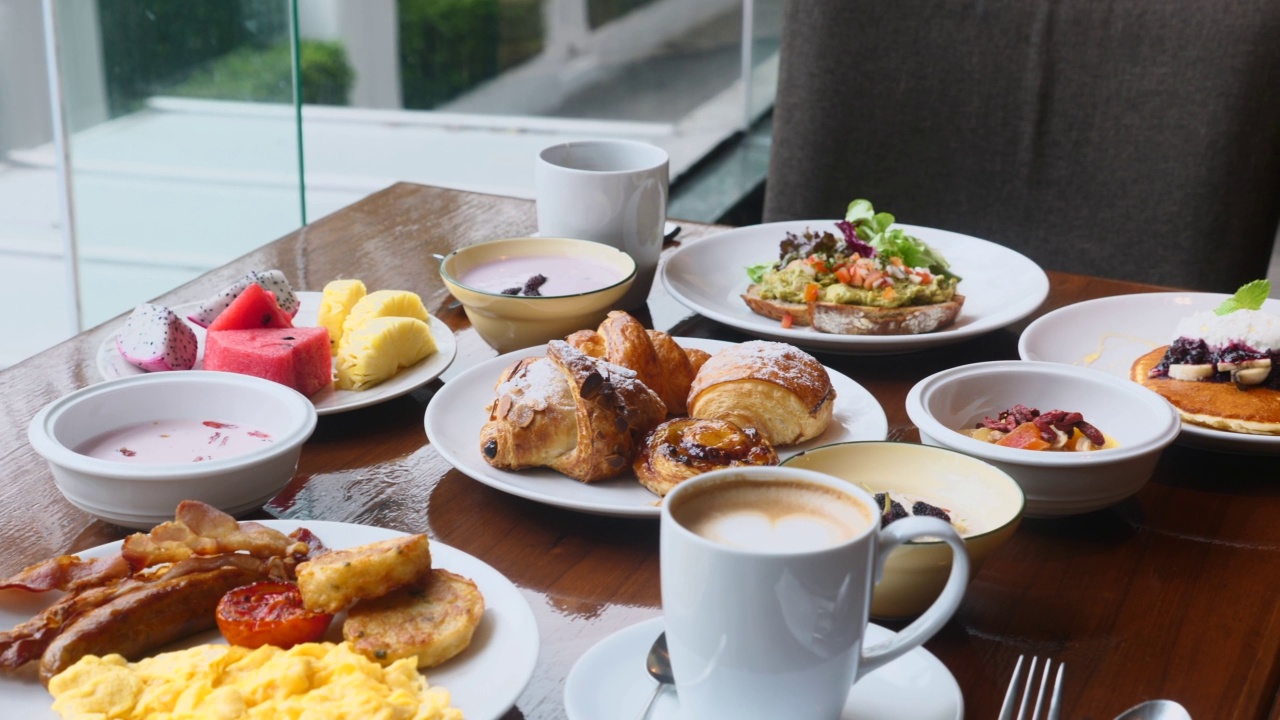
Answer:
(1258, 329)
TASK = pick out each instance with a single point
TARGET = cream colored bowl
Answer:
(984, 502)
(513, 322)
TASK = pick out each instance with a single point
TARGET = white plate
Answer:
(609, 681)
(709, 276)
(484, 680)
(457, 413)
(1109, 333)
(329, 401)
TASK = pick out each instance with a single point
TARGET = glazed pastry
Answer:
(778, 389)
(568, 411)
(659, 362)
(681, 448)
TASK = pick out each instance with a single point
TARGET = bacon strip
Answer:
(201, 529)
(68, 573)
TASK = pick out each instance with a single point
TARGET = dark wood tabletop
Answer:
(1172, 593)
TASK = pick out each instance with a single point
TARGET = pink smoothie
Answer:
(565, 276)
(175, 441)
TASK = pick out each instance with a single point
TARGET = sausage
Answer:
(148, 618)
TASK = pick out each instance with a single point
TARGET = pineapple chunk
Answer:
(379, 348)
(384, 303)
(336, 303)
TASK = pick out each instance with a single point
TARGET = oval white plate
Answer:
(709, 276)
(330, 400)
(1110, 333)
(484, 680)
(609, 681)
(457, 412)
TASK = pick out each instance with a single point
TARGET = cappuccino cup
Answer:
(610, 191)
(767, 575)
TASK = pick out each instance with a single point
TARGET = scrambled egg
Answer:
(313, 681)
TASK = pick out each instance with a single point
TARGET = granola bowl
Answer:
(1137, 423)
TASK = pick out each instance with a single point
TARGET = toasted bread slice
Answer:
(842, 319)
(1218, 405)
(337, 579)
(432, 625)
(776, 309)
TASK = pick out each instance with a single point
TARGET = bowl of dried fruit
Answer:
(981, 501)
(1077, 440)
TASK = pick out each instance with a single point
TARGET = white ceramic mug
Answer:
(767, 575)
(609, 191)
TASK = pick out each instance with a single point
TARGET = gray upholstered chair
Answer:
(1136, 139)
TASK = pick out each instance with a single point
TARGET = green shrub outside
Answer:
(266, 75)
(448, 47)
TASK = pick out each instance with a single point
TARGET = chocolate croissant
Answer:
(664, 366)
(568, 411)
(678, 449)
(777, 389)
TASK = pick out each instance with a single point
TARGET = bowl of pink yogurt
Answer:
(521, 292)
(129, 450)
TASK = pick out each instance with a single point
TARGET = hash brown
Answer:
(1218, 405)
(337, 579)
(432, 624)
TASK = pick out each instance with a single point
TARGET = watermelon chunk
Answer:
(298, 357)
(254, 307)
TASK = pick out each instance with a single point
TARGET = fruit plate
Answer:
(484, 680)
(709, 276)
(111, 364)
(1110, 333)
(457, 412)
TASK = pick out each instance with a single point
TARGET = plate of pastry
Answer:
(561, 425)
(987, 287)
(484, 678)
(1128, 335)
(329, 399)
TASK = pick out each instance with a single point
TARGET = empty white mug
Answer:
(767, 575)
(610, 191)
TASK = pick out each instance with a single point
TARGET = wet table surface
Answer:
(1171, 593)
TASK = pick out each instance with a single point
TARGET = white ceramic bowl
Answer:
(984, 501)
(514, 322)
(1056, 483)
(143, 495)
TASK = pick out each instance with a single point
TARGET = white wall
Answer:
(369, 31)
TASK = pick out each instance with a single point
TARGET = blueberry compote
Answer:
(1194, 351)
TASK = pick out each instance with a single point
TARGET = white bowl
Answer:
(1056, 483)
(143, 495)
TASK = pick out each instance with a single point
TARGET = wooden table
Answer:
(1172, 593)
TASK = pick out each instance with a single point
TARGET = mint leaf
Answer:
(1250, 296)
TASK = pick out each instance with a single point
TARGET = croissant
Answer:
(778, 389)
(568, 411)
(678, 449)
(664, 366)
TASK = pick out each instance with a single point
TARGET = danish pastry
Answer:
(568, 411)
(681, 448)
(777, 389)
(664, 366)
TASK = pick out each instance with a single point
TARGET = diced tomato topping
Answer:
(818, 263)
(811, 292)
(872, 278)
(1026, 436)
(787, 321)
(925, 277)
(269, 613)
(842, 274)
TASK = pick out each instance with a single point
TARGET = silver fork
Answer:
(1011, 696)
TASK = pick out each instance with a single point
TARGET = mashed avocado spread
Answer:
(788, 285)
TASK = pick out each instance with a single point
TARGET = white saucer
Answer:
(609, 681)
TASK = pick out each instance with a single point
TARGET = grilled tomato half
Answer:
(269, 613)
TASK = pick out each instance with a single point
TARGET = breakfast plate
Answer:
(457, 412)
(484, 680)
(1110, 333)
(329, 401)
(709, 276)
(610, 681)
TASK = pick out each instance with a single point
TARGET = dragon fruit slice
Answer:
(154, 338)
(272, 280)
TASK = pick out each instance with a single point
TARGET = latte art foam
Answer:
(772, 516)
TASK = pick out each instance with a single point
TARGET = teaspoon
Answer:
(1155, 710)
(659, 666)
